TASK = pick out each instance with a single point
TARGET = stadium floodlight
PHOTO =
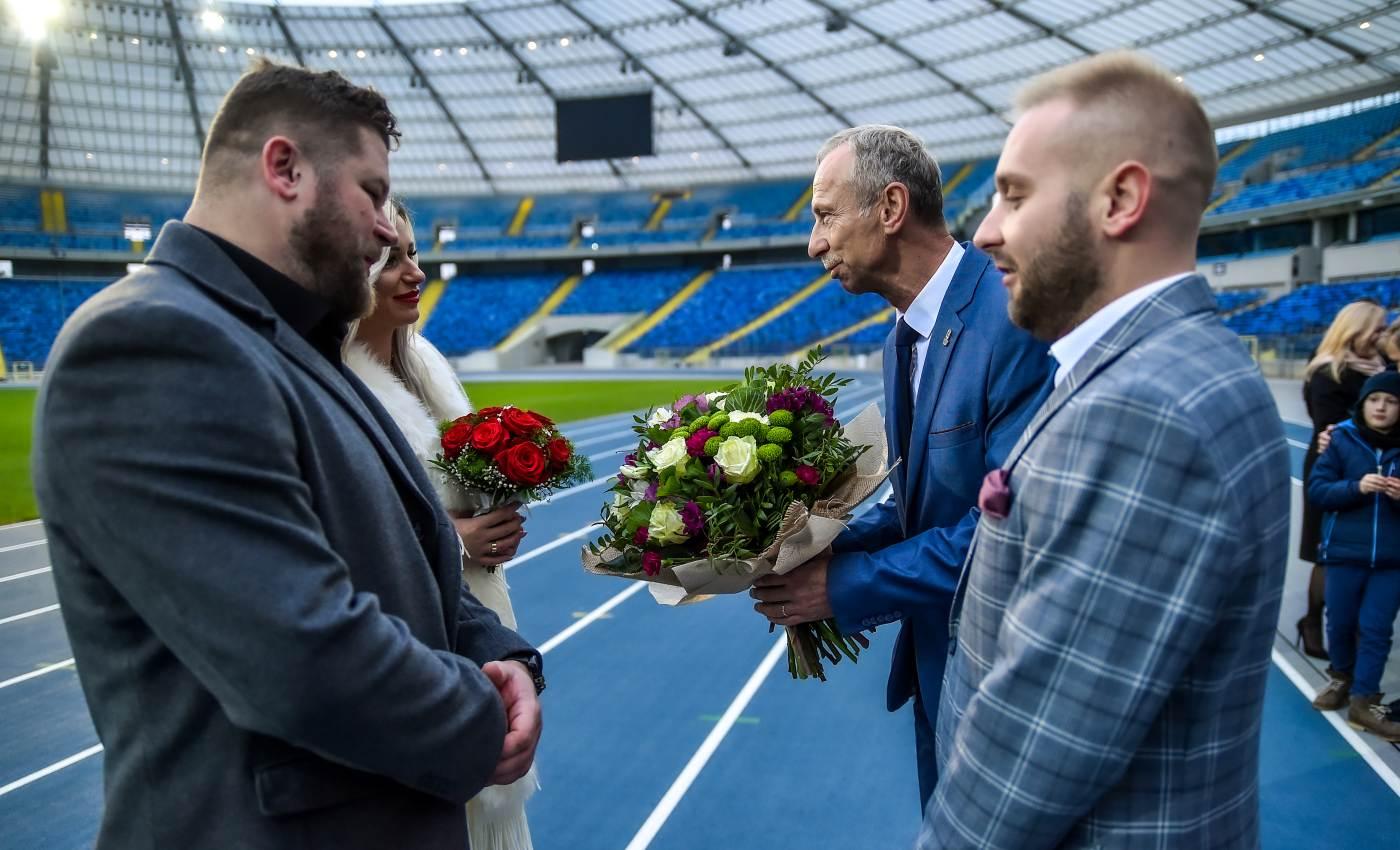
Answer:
(586, 230)
(135, 231)
(211, 20)
(34, 16)
(7, 268)
(446, 233)
(447, 271)
(589, 266)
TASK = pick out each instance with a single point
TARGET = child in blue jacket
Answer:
(1356, 482)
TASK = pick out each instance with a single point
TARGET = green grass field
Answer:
(562, 401)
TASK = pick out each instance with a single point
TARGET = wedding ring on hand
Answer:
(493, 547)
(782, 610)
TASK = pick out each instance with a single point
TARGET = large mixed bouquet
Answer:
(503, 455)
(727, 487)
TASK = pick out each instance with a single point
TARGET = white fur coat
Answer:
(496, 817)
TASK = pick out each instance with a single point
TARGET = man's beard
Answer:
(1057, 282)
(335, 267)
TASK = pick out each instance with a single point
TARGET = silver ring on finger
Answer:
(782, 610)
(494, 547)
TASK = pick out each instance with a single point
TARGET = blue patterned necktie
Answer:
(904, 339)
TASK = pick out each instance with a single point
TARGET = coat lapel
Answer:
(943, 342)
(1185, 297)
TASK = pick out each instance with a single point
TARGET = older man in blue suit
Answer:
(961, 382)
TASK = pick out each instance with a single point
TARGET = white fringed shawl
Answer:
(496, 816)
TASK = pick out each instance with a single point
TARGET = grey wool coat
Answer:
(262, 592)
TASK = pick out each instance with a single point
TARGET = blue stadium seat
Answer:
(625, 291)
(34, 311)
(1310, 309)
(829, 310)
(478, 312)
(730, 299)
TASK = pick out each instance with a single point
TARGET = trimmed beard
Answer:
(1059, 281)
(334, 269)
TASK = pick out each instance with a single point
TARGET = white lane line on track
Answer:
(68, 662)
(697, 762)
(25, 574)
(553, 544)
(36, 612)
(24, 524)
(591, 617)
(1386, 773)
(53, 768)
(30, 545)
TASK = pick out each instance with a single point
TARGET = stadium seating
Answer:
(1329, 141)
(730, 299)
(624, 291)
(1317, 184)
(478, 312)
(34, 311)
(1310, 309)
(1235, 300)
(828, 310)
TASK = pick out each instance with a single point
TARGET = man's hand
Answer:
(797, 597)
(1391, 487)
(523, 719)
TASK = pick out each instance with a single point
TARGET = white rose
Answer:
(639, 491)
(633, 472)
(741, 415)
(666, 525)
(620, 505)
(669, 455)
(738, 457)
(660, 416)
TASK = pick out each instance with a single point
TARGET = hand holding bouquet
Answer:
(503, 455)
(727, 487)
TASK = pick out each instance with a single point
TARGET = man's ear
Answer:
(1124, 195)
(283, 168)
(893, 208)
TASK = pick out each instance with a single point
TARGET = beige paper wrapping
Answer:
(802, 536)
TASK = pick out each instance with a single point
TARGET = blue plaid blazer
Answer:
(1116, 625)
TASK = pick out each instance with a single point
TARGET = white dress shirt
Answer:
(1069, 349)
(922, 314)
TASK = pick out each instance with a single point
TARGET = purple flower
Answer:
(621, 479)
(650, 494)
(693, 518)
(630, 460)
(701, 403)
(640, 538)
(695, 444)
(713, 470)
(651, 563)
(808, 475)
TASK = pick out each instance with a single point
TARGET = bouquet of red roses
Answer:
(501, 455)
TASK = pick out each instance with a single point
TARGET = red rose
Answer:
(455, 439)
(489, 437)
(523, 464)
(520, 422)
(559, 452)
(489, 412)
(808, 475)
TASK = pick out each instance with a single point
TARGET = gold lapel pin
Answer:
(947, 336)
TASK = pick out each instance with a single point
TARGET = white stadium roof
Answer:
(744, 89)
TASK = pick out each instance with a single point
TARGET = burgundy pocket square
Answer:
(995, 497)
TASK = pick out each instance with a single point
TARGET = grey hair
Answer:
(885, 155)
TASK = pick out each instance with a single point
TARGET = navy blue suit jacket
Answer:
(982, 380)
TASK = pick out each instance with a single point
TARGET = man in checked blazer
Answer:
(1122, 590)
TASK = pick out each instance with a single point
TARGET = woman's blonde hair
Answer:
(1353, 321)
(404, 362)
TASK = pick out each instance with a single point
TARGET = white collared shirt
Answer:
(922, 314)
(1069, 349)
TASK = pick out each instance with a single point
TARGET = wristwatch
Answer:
(532, 663)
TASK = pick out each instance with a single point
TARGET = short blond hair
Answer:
(1138, 102)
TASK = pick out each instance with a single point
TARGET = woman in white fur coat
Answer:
(419, 388)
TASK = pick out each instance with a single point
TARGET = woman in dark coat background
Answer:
(1347, 356)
